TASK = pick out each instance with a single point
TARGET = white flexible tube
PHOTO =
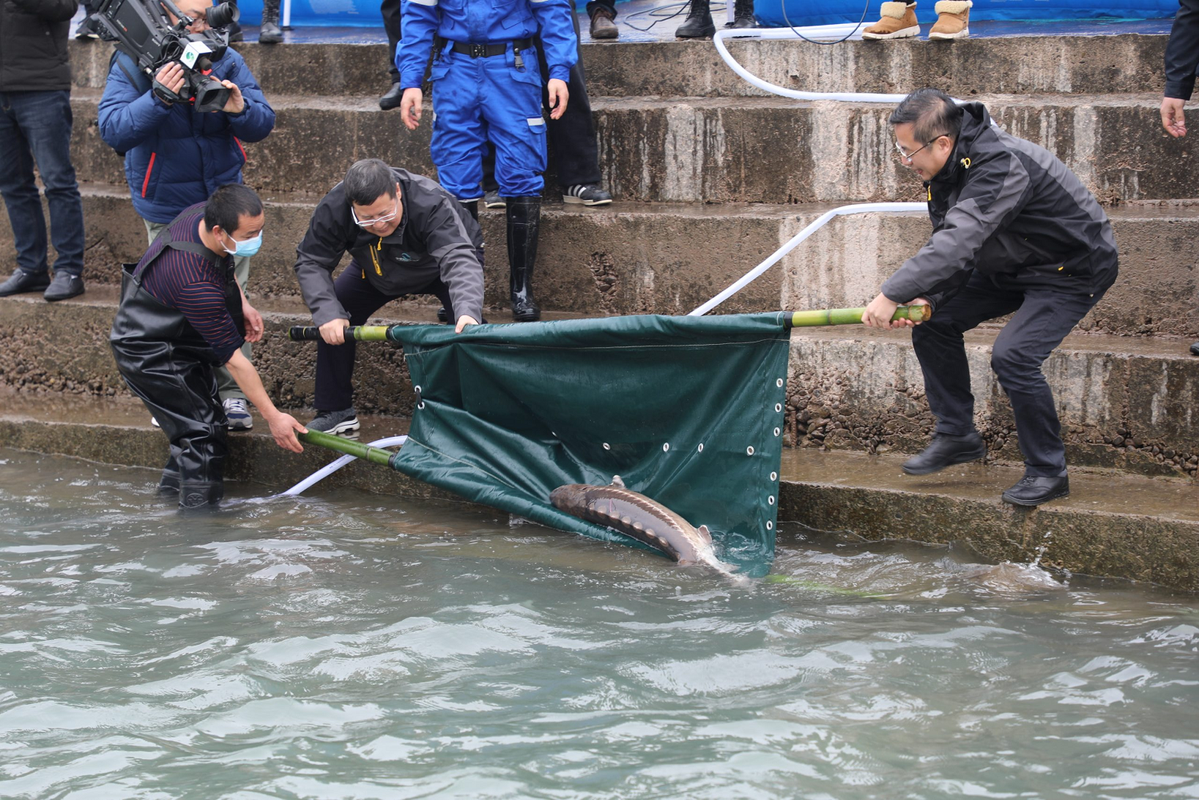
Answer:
(816, 31)
(329, 469)
(753, 274)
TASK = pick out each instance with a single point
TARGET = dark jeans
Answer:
(35, 128)
(1043, 316)
(571, 140)
(608, 4)
(335, 363)
(390, 9)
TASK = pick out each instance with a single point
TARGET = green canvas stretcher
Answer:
(687, 410)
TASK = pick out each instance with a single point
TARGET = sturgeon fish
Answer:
(641, 518)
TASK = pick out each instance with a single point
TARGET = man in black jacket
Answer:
(35, 128)
(1014, 232)
(1182, 58)
(406, 235)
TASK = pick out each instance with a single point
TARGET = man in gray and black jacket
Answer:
(1014, 232)
(406, 236)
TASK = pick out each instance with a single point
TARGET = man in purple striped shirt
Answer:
(183, 314)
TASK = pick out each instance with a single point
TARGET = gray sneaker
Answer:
(237, 411)
(587, 194)
(493, 200)
(339, 423)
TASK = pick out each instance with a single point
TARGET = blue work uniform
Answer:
(487, 85)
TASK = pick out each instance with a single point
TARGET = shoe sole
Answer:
(63, 297)
(1025, 504)
(904, 33)
(347, 430)
(963, 459)
(572, 200)
(949, 37)
(241, 426)
(495, 205)
(605, 35)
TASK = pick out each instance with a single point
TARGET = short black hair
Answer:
(368, 180)
(932, 114)
(228, 204)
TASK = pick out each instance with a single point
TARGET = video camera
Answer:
(144, 32)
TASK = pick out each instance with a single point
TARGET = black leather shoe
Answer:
(945, 451)
(1032, 491)
(1195, 349)
(392, 99)
(22, 281)
(64, 286)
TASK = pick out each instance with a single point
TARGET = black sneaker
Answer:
(88, 29)
(587, 194)
(22, 281)
(339, 423)
(945, 451)
(392, 97)
(493, 200)
(1033, 490)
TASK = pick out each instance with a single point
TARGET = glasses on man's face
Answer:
(366, 223)
(906, 156)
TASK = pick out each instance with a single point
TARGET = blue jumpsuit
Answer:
(477, 97)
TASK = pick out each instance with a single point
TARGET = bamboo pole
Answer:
(850, 316)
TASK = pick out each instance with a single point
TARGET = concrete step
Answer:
(716, 150)
(1125, 403)
(670, 258)
(1086, 64)
(1115, 526)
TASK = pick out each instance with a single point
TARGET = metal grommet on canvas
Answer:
(779, 383)
(666, 447)
(700, 449)
(778, 407)
(777, 431)
(749, 451)
(770, 500)
(774, 476)
(769, 525)
(607, 446)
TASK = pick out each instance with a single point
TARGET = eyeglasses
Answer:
(366, 223)
(906, 156)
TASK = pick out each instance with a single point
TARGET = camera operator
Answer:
(176, 156)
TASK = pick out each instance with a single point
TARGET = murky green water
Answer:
(347, 646)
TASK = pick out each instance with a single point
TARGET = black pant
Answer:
(610, 5)
(335, 363)
(1043, 317)
(390, 9)
(571, 139)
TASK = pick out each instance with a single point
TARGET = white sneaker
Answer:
(237, 411)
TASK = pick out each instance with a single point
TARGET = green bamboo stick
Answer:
(850, 316)
(376, 455)
(361, 333)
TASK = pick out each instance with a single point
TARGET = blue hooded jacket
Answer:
(174, 156)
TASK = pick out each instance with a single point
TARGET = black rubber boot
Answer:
(743, 15)
(471, 207)
(200, 494)
(524, 218)
(270, 32)
(698, 24)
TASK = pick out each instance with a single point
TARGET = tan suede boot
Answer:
(897, 20)
(953, 20)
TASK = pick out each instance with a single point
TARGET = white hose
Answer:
(753, 274)
(792, 33)
(329, 469)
